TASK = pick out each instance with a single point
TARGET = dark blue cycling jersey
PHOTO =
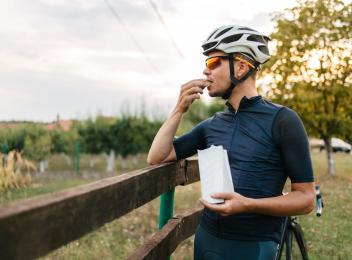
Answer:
(266, 143)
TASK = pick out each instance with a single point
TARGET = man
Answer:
(266, 143)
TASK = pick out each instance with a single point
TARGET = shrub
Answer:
(10, 173)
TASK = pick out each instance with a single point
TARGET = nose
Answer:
(206, 71)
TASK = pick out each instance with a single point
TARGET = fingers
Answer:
(190, 92)
(222, 209)
(201, 83)
(233, 203)
(222, 195)
(193, 90)
(190, 98)
(192, 87)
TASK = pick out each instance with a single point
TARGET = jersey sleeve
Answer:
(187, 144)
(291, 137)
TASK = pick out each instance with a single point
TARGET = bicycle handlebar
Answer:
(319, 201)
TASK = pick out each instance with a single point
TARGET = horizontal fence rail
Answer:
(32, 228)
(163, 243)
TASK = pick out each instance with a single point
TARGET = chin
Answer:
(214, 94)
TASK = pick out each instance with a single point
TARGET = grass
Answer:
(39, 188)
(328, 237)
(60, 174)
(91, 163)
(120, 238)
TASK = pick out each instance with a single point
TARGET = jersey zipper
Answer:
(235, 130)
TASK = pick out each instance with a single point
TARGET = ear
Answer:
(241, 69)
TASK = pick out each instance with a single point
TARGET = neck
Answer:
(246, 88)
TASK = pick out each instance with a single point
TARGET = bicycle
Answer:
(291, 228)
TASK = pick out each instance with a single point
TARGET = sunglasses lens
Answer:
(213, 62)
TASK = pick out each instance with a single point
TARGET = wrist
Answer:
(250, 205)
(177, 111)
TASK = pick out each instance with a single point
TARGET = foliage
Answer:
(132, 135)
(13, 138)
(311, 67)
(198, 112)
(126, 135)
(94, 135)
(37, 143)
(63, 141)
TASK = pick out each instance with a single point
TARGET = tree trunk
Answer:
(329, 157)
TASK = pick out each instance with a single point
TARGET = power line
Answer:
(118, 18)
(155, 8)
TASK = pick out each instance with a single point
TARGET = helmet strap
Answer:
(234, 80)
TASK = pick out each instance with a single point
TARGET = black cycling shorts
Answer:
(210, 247)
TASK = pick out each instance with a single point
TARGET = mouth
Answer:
(209, 82)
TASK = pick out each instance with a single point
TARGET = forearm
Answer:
(162, 143)
(294, 203)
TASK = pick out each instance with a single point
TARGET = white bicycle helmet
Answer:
(235, 38)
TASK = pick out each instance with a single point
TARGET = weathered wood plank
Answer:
(163, 243)
(191, 170)
(34, 227)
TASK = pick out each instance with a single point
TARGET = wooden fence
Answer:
(33, 227)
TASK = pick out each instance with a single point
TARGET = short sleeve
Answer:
(187, 145)
(291, 137)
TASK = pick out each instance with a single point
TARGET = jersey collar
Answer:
(245, 102)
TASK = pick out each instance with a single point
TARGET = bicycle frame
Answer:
(291, 228)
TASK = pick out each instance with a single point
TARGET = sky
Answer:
(82, 58)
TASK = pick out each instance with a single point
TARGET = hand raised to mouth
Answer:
(190, 91)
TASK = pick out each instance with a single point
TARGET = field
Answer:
(328, 237)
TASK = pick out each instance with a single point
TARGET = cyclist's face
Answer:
(218, 74)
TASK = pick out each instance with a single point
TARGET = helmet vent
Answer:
(209, 45)
(232, 38)
(246, 29)
(256, 38)
(251, 56)
(264, 49)
(222, 32)
(212, 34)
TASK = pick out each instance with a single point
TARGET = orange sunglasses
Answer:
(215, 61)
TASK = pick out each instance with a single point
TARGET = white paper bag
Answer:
(215, 173)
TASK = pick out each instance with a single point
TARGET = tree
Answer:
(63, 141)
(311, 67)
(37, 144)
(132, 135)
(94, 135)
(13, 138)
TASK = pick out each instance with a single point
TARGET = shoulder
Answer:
(286, 115)
(287, 123)
(207, 121)
(273, 105)
(201, 126)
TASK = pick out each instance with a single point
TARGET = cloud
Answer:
(66, 56)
